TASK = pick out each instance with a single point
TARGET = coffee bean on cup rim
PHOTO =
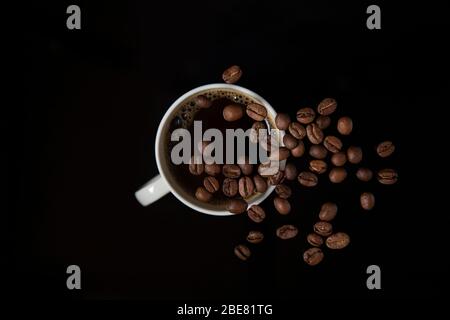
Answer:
(254, 134)
(387, 176)
(256, 213)
(246, 187)
(282, 121)
(345, 126)
(260, 183)
(287, 231)
(203, 195)
(354, 154)
(211, 184)
(256, 111)
(318, 152)
(283, 191)
(277, 178)
(232, 74)
(268, 169)
(232, 112)
(337, 174)
(230, 187)
(313, 256)
(255, 237)
(308, 179)
(203, 102)
(242, 252)
(297, 130)
(337, 241)
(364, 174)
(338, 159)
(314, 239)
(328, 211)
(282, 205)
(327, 106)
(385, 149)
(236, 206)
(306, 115)
(323, 228)
(367, 200)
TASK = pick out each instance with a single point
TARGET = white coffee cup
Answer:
(166, 181)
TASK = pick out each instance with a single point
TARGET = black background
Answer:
(93, 99)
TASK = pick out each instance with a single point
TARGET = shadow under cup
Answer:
(182, 115)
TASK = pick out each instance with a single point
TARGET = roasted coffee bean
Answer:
(203, 195)
(211, 184)
(314, 239)
(306, 115)
(280, 154)
(385, 149)
(242, 252)
(323, 122)
(328, 211)
(308, 179)
(232, 74)
(318, 166)
(367, 200)
(196, 168)
(297, 130)
(333, 144)
(339, 159)
(323, 228)
(283, 191)
(213, 169)
(232, 112)
(315, 135)
(230, 187)
(277, 178)
(231, 170)
(299, 150)
(246, 187)
(354, 154)
(327, 106)
(290, 171)
(282, 205)
(345, 126)
(203, 102)
(246, 167)
(387, 176)
(236, 206)
(364, 174)
(256, 111)
(268, 169)
(282, 121)
(337, 175)
(255, 237)
(256, 213)
(289, 141)
(260, 183)
(318, 152)
(288, 231)
(339, 240)
(255, 133)
(313, 256)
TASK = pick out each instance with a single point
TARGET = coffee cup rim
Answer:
(163, 123)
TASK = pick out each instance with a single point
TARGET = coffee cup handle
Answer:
(152, 191)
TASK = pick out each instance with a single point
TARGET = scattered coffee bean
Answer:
(288, 231)
(364, 174)
(297, 130)
(290, 171)
(246, 187)
(338, 159)
(231, 170)
(232, 112)
(318, 152)
(246, 167)
(337, 175)
(268, 169)
(196, 168)
(289, 141)
(385, 149)
(203, 102)
(203, 195)
(308, 179)
(232, 74)
(328, 211)
(323, 228)
(255, 237)
(306, 115)
(213, 169)
(327, 106)
(313, 256)
(367, 200)
(260, 183)
(333, 144)
(236, 206)
(354, 154)
(387, 176)
(315, 135)
(230, 187)
(255, 134)
(323, 122)
(280, 154)
(283, 191)
(256, 111)
(345, 126)
(318, 166)
(242, 252)
(314, 239)
(256, 213)
(282, 205)
(299, 150)
(282, 121)
(339, 240)
(277, 178)
(211, 184)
